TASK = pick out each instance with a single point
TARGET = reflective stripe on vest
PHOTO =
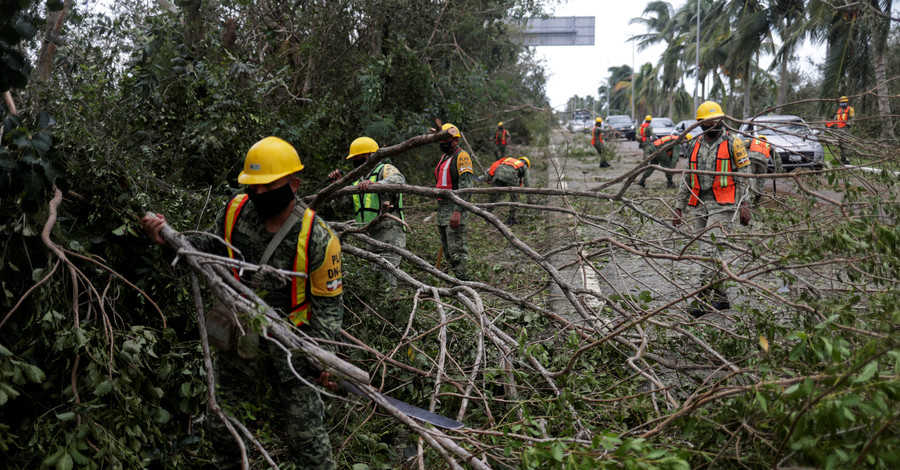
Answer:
(643, 129)
(842, 116)
(370, 206)
(723, 186)
(442, 172)
(595, 134)
(501, 137)
(515, 163)
(231, 214)
(299, 305)
(760, 146)
(660, 141)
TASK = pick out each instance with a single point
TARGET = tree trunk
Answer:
(55, 21)
(884, 104)
(748, 86)
(783, 71)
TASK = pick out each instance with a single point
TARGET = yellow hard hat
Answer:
(362, 145)
(688, 136)
(843, 99)
(649, 117)
(499, 123)
(268, 160)
(454, 131)
(762, 137)
(709, 109)
(598, 119)
(526, 160)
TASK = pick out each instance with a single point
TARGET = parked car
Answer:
(622, 124)
(589, 126)
(575, 126)
(796, 143)
(680, 128)
(662, 126)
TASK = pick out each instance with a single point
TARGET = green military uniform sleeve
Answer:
(391, 175)
(465, 181)
(776, 160)
(209, 244)
(525, 181)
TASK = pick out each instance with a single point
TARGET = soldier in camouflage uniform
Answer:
(667, 159)
(367, 206)
(714, 199)
(509, 172)
(760, 152)
(454, 171)
(314, 304)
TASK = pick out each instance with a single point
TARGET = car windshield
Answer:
(661, 122)
(782, 127)
(619, 120)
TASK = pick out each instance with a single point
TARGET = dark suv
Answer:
(622, 125)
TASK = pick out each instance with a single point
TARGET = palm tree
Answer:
(660, 20)
(856, 38)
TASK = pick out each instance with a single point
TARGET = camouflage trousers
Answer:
(500, 151)
(716, 221)
(600, 147)
(267, 380)
(513, 197)
(455, 243)
(661, 159)
(392, 233)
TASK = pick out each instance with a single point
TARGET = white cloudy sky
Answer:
(578, 70)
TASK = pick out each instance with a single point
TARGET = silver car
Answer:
(662, 126)
(796, 143)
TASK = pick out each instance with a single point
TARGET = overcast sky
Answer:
(578, 70)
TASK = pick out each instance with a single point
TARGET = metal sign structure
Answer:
(559, 31)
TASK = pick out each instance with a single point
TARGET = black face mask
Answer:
(844, 105)
(358, 162)
(270, 203)
(447, 147)
(712, 130)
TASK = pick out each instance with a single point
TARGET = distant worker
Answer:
(760, 153)
(508, 172)
(842, 121)
(367, 206)
(501, 139)
(645, 133)
(454, 171)
(713, 198)
(667, 159)
(597, 141)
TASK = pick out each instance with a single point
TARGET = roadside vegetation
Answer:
(150, 106)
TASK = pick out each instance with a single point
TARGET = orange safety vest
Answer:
(501, 137)
(505, 161)
(758, 145)
(842, 116)
(723, 187)
(660, 141)
(642, 129)
(595, 134)
(299, 305)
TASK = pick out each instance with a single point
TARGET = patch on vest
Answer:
(740, 154)
(326, 280)
(464, 163)
(388, 171)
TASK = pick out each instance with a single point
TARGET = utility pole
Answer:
(697, 83)
(632, 78)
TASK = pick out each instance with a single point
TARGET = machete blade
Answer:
(409, 410)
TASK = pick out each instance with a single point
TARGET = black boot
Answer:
(701, 306)
(641, 184)
(604, 164)
(720, 300)
(511, 221)
(670, 184)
